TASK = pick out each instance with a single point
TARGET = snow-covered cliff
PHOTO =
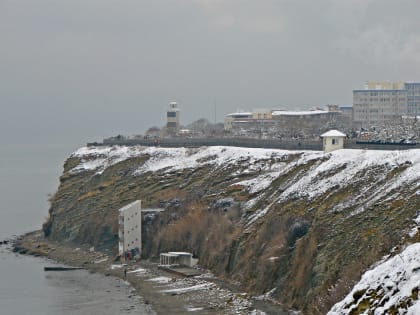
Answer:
(303, 226)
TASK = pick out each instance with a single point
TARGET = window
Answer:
(171, 114)
(334, 141)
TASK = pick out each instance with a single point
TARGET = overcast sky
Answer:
(73, 71)
(103, 67)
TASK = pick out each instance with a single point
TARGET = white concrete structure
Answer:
(173, 118)
(333, 140)
(176, 259)
(129, 227)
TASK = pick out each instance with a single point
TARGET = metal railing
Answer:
(313, 145)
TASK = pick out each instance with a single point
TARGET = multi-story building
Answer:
(172, 118)
(413, 98)
(379, 103)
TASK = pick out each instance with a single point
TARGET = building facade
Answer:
(288, 124)
(129, 228)
(413, 98)
(379, 103)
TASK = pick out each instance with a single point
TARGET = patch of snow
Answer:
(203, 286)
(396, 277)
(415, 229)
(257, 312)
(259, 183)
(160, 279)
(139, 270)
(194, 309)
(343, 165)
(101, 157)
(181, 158)
(257, 215)
(116, 267)
(267, 296)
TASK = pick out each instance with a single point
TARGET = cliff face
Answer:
(303, 225)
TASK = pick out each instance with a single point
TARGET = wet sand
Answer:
(164, 292)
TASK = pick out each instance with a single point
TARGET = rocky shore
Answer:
(167, 293)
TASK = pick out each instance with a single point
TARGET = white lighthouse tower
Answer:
(172, 118)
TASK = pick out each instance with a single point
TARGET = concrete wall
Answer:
(130, 227)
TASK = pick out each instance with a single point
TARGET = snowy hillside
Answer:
(331, 171)
(300, 226)
(391, 286)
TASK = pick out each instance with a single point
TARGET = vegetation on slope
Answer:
(258, 219)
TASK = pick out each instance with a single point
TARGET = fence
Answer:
(248, 143)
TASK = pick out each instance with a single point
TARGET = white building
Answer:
(173, 118)
(333, 140)
(129, 227)
(176, 259)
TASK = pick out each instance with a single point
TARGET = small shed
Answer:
(333, 140)
(176, 258)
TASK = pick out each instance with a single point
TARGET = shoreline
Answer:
(165, 292)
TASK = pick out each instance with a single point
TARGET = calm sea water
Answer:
(28, 173)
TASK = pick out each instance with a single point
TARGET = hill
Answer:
(300, 227)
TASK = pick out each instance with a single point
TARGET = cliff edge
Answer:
(299, 227)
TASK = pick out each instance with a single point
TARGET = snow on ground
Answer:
(138, 271)
(160, 279)
(338, 169)
(99, 158)
(395, 279)
(349, 163)
(335, 169)
(415, 229)
(182, 158)
(203, 286)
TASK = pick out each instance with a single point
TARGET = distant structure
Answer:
(248, 119)
(176, 259)
(413, 98)
(381, 102)
(289, 123)
(129, 228)
(172, 118)
(333, 140)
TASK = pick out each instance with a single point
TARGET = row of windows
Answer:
(381, 93)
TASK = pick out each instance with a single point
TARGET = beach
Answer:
(161, 291)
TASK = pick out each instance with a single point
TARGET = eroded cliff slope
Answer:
(303, 226)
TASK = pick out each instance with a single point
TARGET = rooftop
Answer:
(333, 133)
(298, 113)
(130, 205)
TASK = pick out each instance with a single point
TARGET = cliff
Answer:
(301, 226)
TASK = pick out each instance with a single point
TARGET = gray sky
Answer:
(73, 71)
(101, 67)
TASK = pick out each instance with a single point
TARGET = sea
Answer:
(29, 170)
